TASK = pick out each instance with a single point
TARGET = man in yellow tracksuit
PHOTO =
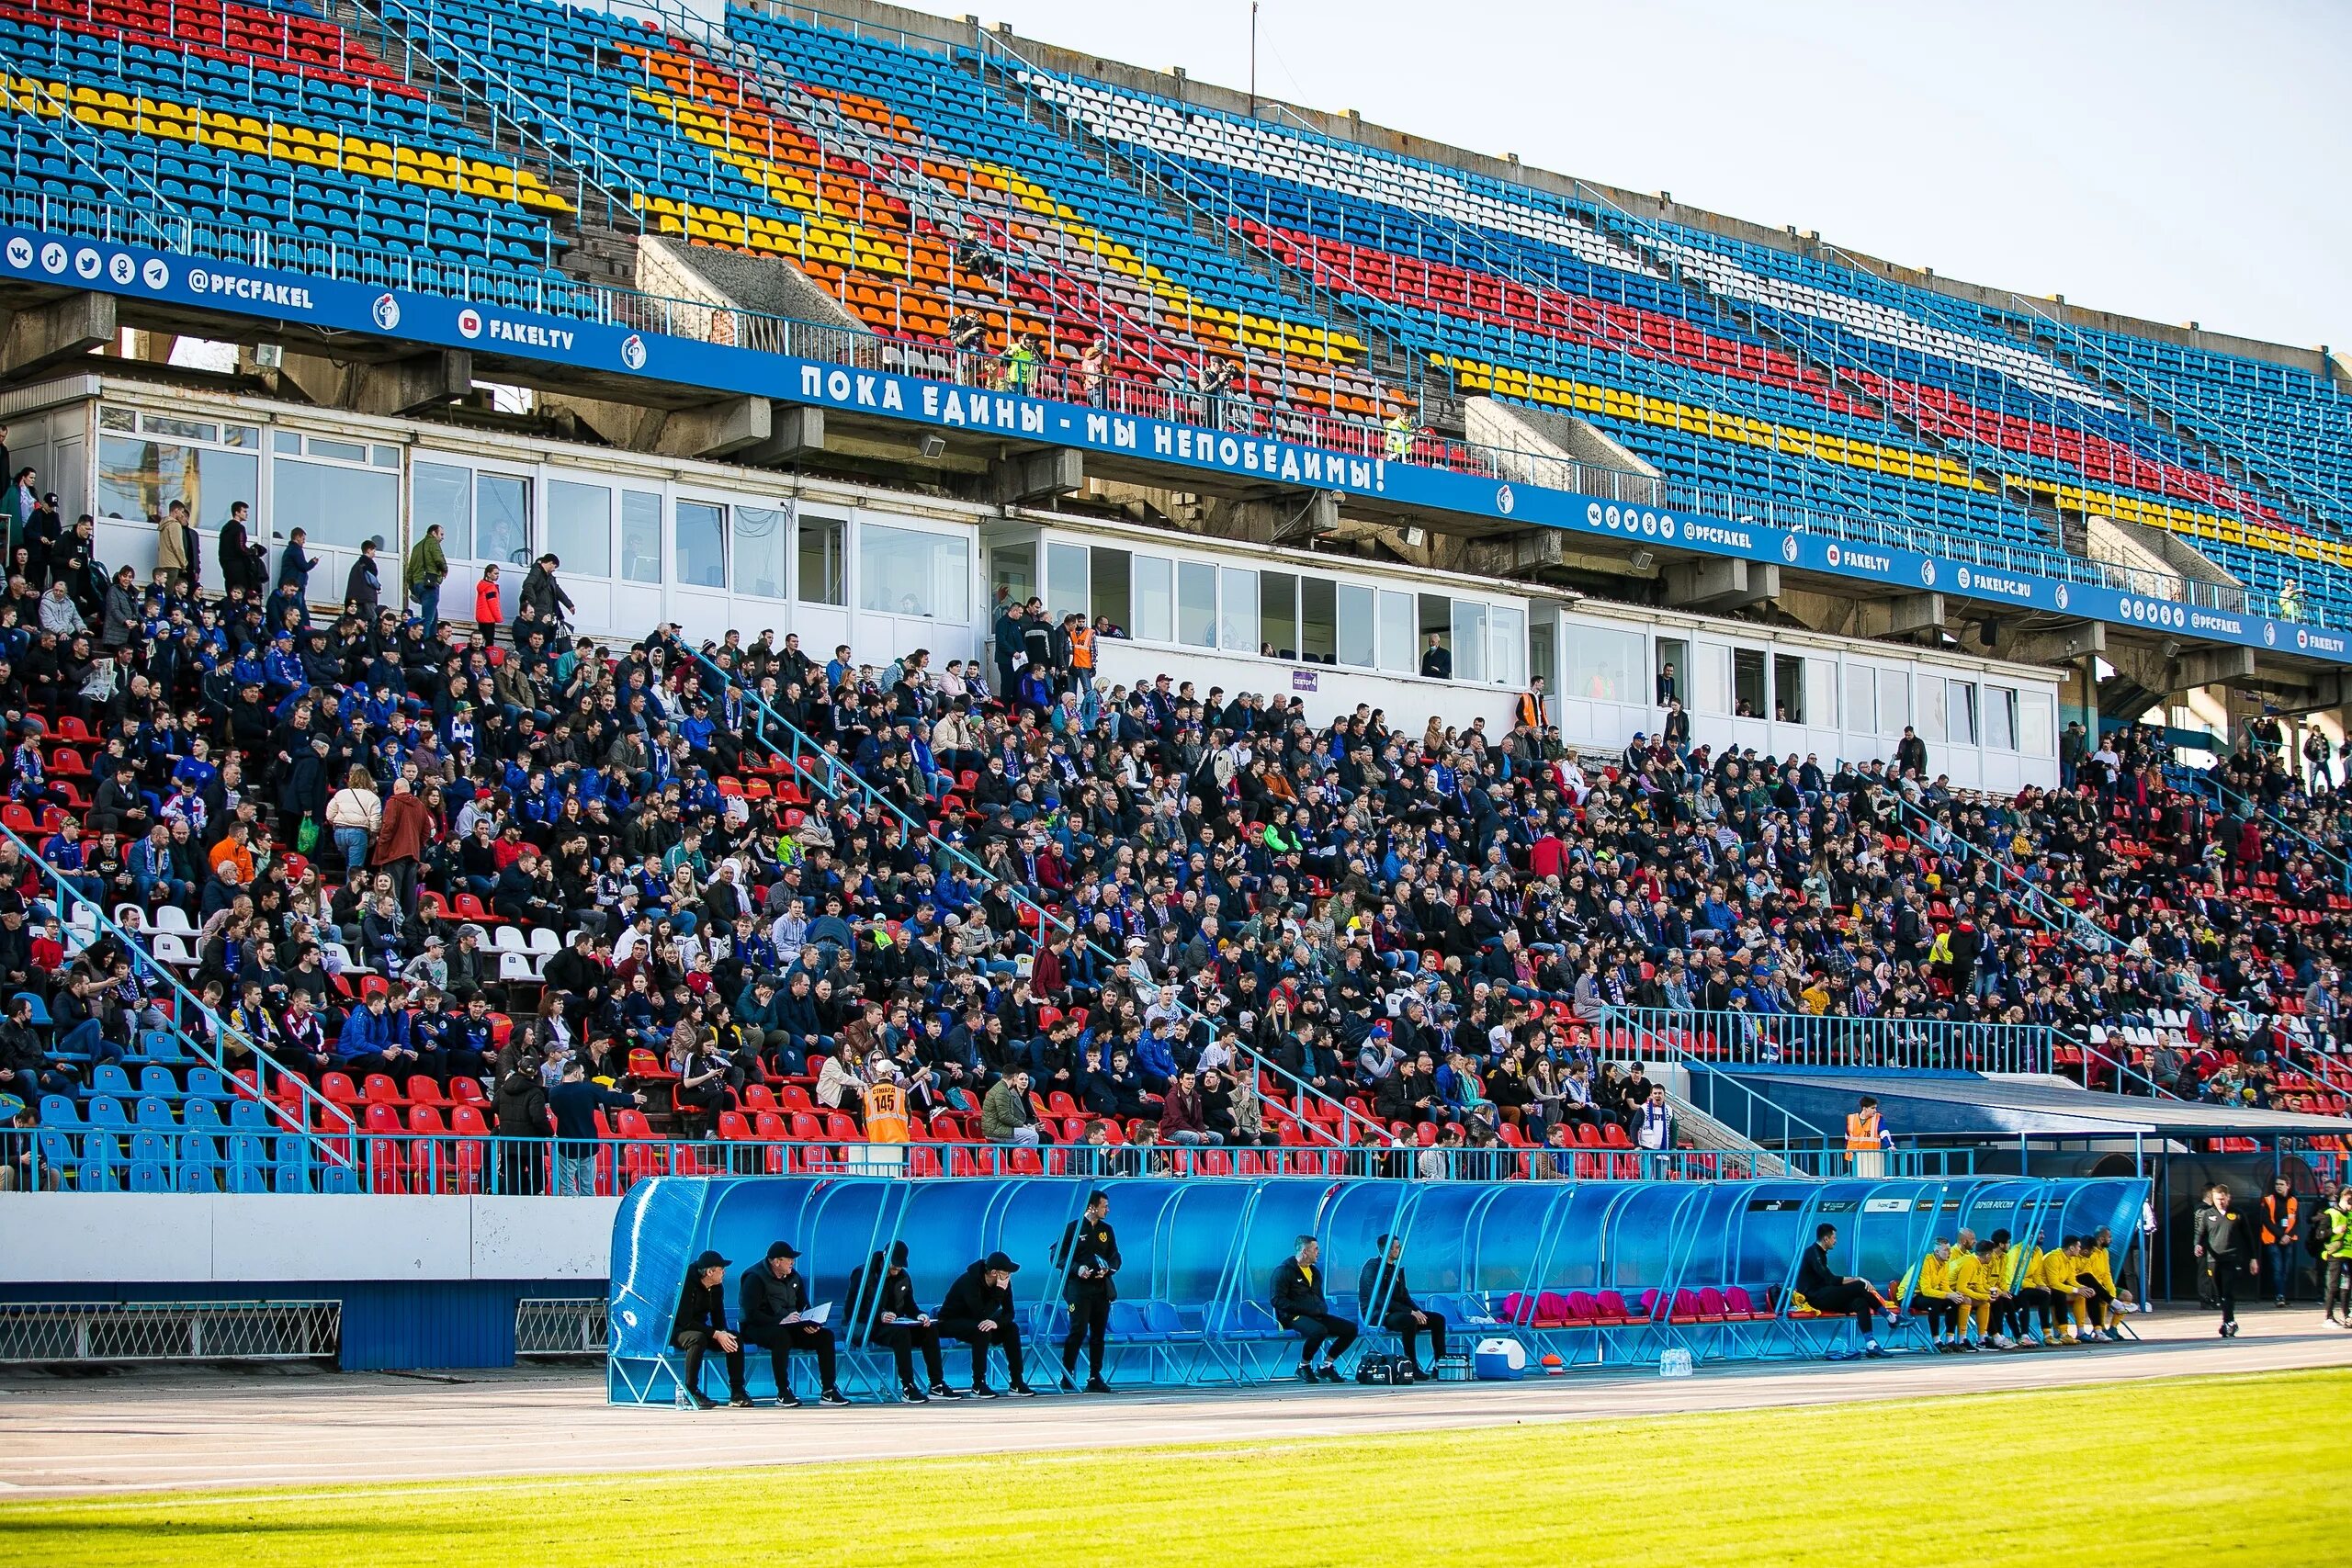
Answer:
(1937, 1299)
(1971, 1277)
(2000, 1280)
(2097, 1277)
(2057, 1272)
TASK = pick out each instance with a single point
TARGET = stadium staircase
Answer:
(1186, 197)
(599, 234)
(292, 1110)
(1320, 1118)
(1624, 1038)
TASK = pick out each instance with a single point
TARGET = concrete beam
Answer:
(795, 431)
(2186, 671)
(1039, 475)
(1720, 583)
(401, 386)
(2319, 693)
(2055, 645)
(1277, 519)
(716, 430)
(40, 335)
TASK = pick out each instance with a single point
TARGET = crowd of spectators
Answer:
(1198, 916)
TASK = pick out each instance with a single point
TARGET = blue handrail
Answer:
(1758, 1110)
(318, 1110)
(2066, 921)
(837, 770)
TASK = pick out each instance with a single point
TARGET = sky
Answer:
(2168, 161)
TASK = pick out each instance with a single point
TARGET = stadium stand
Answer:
(234, 823)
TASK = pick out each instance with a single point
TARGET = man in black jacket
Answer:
(1388, 1302)
(1089, 1254)
(773, 1297)
(1833, 1294)
(1299, 1303)
(701, 1323)
(895, 1319)
(978, 1311)
(2223, 1238)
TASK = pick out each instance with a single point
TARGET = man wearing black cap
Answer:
(774, 1298)
(1299, 1303)
(1089, 1255)
(882, 1307)
(1389, 1303)
(701, 1323)
(978, 1311)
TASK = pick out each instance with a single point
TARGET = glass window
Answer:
(116, 419)
(1278, 612)
(185, 429)
(641, 536)
(1747, 683)
(1821, 692)
(1012, 570)
(1711, 670)
(1931, 708)
(1435, 619)
(1788, 688)
(580, 527)
(1398, 649)
(2038, 724)
(1238, 621)
(1357, 640)
(502, 519)
(762, 537)
(1109, 576)
(385, 456)
(2001, 718)
(341, 451)
(903, 572)
(1893, 701)
(1155, 599)
(287, 441)
(445, 495)
(1195, 605)
(139, 479)
(1507, 661)
(701, 545)
(1674, 672)
(1065, 581)
(1959, 712)
(335, 505)
(1861, 700)
(823, 575)
(1318, 620)
(1469, 641)
(1602, 663)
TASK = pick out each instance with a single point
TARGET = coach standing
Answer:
(1299, 1303)
(773, 1297)
(1089, 1254)
(2224, 1244)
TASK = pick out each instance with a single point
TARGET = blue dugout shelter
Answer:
(1596, 1272)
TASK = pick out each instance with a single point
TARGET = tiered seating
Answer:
(263, 119)
(1833, 388)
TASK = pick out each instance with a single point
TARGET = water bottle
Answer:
(1674, 1363)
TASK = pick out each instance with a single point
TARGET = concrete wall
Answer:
(766, 284)
(81, 1240)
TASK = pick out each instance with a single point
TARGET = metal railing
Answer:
(809, 759)
(2047, 910)
(84, 1158)
(1729, 1103)
(765, 333)
(1806, 1039)
(295, 1106)
(38, 1332)
(562, 1326)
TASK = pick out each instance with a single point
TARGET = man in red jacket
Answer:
(407, 828)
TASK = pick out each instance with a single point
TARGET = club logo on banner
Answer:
(387, 313)
(633, 352)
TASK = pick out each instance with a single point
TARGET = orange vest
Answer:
(1082, 649)
(1862, 1131)
(2278, 1226)
(1531, 710)
(886, 1114)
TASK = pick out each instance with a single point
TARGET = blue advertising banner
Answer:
(445, 322)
